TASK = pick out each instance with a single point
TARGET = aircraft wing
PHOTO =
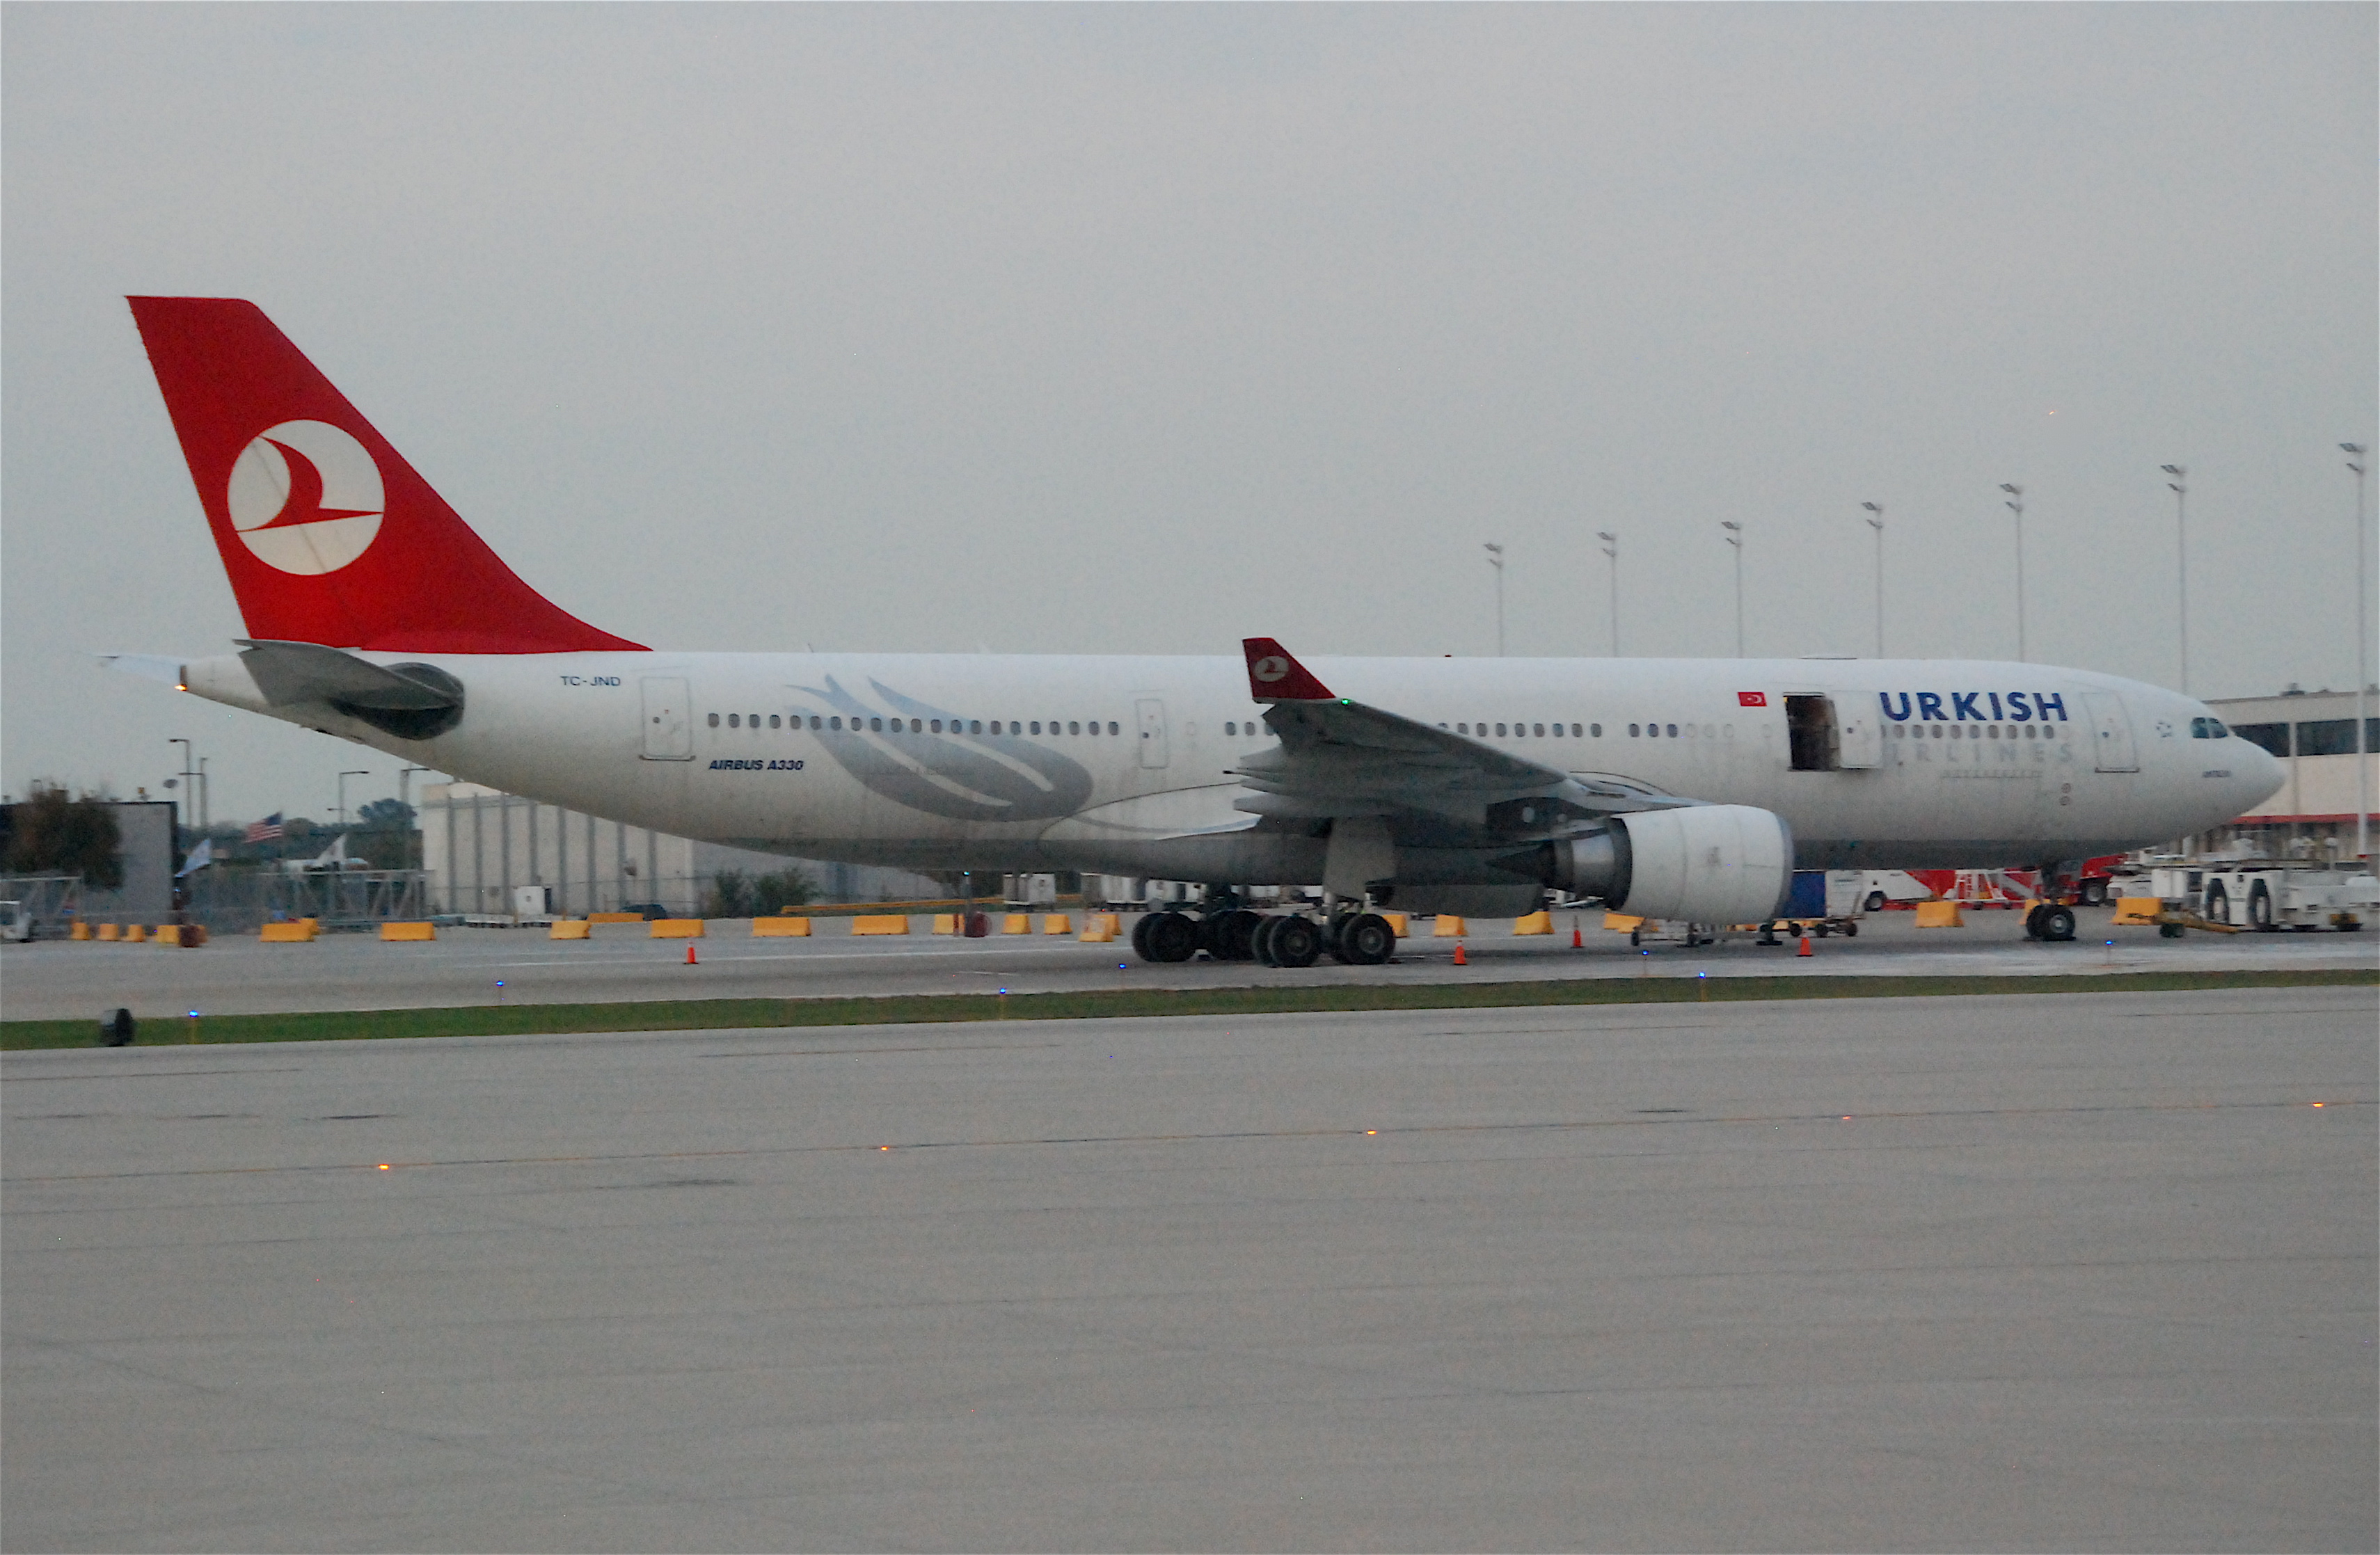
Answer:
(1339, 757)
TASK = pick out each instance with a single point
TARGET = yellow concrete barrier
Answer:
(675, 929)
(571, 929)
(1448, 927)
(1539, 922)
(1939, 915)
(881, 923)
(1057, 923)
(946, 923)
(135, 932)
(408, 931)
(78, 930)
(615, 917)
(313, 925)
(781, 928)
(1017, 923)
(194, 934)
(106, 931)
(1624, 923)
(167, 934)
(285, 934)
(1095, 934)
(1111, 922)
(2134, 911)
(1396, 922)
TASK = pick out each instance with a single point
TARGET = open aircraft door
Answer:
(669, 723)
(2112, 733)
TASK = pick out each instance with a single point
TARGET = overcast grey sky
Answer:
(1125, 328)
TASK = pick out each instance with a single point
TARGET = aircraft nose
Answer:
(2260, 777)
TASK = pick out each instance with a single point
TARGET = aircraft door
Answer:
(1859, 734)
(1152, 732)
(2112, 733)
(669, 720)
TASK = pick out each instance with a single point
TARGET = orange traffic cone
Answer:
(690, 961)
(1577, 941)
(1460, 959)
(1804, 951)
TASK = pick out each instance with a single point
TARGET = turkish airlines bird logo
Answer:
(1270, 669)
(305, 497)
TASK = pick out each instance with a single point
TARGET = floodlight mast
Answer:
(2360, 464)
(1611, 550)
(1875, 522)
(1735, 538)
(2016, 505)
(2180, 487)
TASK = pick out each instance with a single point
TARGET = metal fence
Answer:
(52, 902)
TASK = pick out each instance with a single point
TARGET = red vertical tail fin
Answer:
(328, 534)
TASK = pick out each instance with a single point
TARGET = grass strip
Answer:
(697, 1014)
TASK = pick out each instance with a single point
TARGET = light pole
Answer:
(1875, 522)
(1611, 550)
(2180, 487)
(189, 789)
(343, 791)
(2360, 465)
(1496, 560)
(2016, 505)
(1735, 539)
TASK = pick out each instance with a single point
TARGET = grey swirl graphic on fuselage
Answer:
(960, 776)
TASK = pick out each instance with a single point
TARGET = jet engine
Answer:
(1700, 864)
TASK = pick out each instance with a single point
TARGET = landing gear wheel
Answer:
(2260, 908)
(1260, 942)
(2033, 921)
(2057, 924)
(1167, 937)
(1140, 936)
(1365, 940)
(2218, 908)
(1295, 941)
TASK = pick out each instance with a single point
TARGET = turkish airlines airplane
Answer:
(1681, 789)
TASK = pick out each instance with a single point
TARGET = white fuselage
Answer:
(1940, 763)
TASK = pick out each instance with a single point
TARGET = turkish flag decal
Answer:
(1752, 698)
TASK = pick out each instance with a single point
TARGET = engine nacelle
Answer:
(1700, 864)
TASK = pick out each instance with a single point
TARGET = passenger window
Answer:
(1113, 729)
(1537, 729)
(814, 721)
(1036, 725)
(1462, 728)
(1672, 731)
(1074, 728)
(752, 721)
(1499, 731)
(834, 722)
(772, 720)
(877, 724)
(714, 721)
(1595, 729)
(1632, 731)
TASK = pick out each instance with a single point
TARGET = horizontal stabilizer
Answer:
(148, 667)
(307, 672)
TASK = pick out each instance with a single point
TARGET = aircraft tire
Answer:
(2033, 921)
(1296, 941)
(1167, 937)
(2057, 924)
(1233, 935)
(1140, 936)
(1365, 940)
(1260, 942)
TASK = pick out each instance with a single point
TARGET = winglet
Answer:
(1275, 676)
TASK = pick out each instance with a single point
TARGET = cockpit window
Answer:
(2208, 729)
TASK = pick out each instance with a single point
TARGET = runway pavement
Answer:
(62, 980)
(2036, 1272)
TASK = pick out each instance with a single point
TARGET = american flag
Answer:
(265, 830)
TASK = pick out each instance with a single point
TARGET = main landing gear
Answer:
(1268, 940)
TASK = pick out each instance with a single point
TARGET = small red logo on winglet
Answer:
(1752, 698)
(1274, 675)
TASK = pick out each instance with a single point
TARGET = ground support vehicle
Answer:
(2232, 896)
